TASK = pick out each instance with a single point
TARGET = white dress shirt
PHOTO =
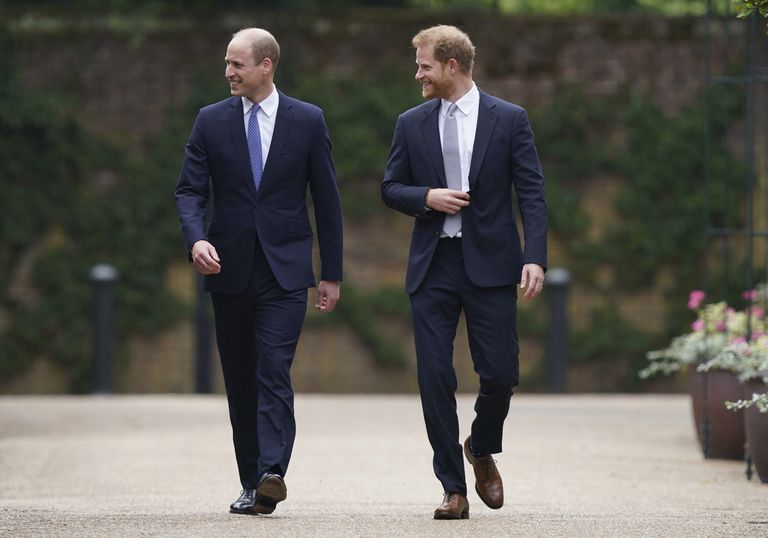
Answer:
(266, 116)
(466, 124)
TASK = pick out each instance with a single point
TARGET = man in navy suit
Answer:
(254, 155)
(453, 165)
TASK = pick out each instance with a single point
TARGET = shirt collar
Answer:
(466, 103)
(268, 105)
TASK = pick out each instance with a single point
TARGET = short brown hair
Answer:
(448, 42)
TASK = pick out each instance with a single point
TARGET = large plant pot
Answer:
(724, 437)
(756, 425)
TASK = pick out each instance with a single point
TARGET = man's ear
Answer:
(267, 66)
(453, 66)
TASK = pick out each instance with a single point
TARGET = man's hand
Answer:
(205, 259)
(532, 279)
(447, 200)
(327, 295)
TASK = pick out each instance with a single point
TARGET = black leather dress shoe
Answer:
(271, 491)
(245, 503)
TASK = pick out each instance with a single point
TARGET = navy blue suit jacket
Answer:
(504, 159)
(217, 165)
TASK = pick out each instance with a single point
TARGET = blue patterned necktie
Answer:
(254, 146)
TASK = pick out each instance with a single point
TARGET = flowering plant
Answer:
(747, 359)
(717, 328)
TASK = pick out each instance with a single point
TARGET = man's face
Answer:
(245, 77)
(435, 78)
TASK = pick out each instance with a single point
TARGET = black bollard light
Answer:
(557, 282)
(103, 278)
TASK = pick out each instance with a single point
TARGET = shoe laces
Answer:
(484, 464)
(447, 496)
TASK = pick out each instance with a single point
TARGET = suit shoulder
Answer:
(300, 106)
(221, 106)
(418, 111)
(502, 105)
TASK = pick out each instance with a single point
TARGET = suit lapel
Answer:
(279, 135)
(237, 130)
(486, 120)
(431, 132)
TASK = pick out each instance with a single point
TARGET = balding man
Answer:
(255, 154)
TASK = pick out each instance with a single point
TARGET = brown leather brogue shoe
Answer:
(455, 506)
(487, 478)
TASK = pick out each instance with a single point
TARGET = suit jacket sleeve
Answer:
(529, 186)
(398, 190)
(327, 203)
(192, 189)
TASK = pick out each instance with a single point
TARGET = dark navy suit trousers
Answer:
(490, 314)
(257, 333)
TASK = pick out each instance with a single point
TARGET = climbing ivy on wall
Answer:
(665, 200)
(69, 202)
(662, 203)
(361, 116)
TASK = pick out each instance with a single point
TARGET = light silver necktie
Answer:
(452, 163)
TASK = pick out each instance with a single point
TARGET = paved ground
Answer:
(163, 466)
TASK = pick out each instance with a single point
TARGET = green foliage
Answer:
(665, 200)
(608, 337)
(359, 312)
(361, 115)
(571, 117)
(571, 135)
(68, 203)
(569, 7)
(746, 7)
(389, 301)
(179, 7)
(611, 341)
(552, 7)
(365, 313)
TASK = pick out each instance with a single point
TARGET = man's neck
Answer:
(462, 86)
(259, 97)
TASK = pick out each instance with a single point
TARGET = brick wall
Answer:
(126, 84)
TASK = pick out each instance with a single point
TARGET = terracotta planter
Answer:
(725, 438)
(756, 424)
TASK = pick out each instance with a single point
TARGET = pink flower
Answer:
(720, 326)
(757, 312)
(695, 299)
(698, 325)
(750, 295)
(738, 340)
